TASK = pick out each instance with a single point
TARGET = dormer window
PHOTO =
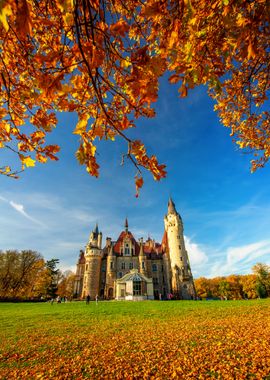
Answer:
(126, 251)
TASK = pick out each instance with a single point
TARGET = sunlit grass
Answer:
(136, 340)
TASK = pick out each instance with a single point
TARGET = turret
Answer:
(110, 273)
(142, 260)
(99, 240)
(78, 283)
(181, 277)
(93, 257)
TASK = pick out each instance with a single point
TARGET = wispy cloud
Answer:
(20, 208)
(240, 259)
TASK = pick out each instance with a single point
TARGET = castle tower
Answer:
(142, 260)
(93, 257)
(78, 283)
(110, 273)
(182, 285)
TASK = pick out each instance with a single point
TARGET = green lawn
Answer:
(136, 340)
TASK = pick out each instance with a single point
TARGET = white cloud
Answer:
(247, 252)
(195, 252)
(240, 259)
(20, 208)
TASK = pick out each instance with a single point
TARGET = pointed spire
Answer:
(171, 207)
(96, 229)
(126, 225)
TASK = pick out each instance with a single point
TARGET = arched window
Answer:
(137, 288)
(154, 267)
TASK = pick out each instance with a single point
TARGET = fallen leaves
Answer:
(150, 340)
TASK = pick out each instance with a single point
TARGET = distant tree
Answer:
(103, 60)
(53, 277)
(206, 288)
(248, 283)
(262, 272)
(66, 284)
(236, 289)
(19, 272)
(224, 289)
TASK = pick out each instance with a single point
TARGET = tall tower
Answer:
(182, 285)
(142, 260)
(110, 273)
(93, 257)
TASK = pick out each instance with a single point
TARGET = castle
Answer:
(127, 269)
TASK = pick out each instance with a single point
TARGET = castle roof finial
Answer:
(96, 229)
(171, 207)
(126, 225)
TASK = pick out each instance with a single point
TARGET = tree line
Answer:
(26, 275)
(249, 286)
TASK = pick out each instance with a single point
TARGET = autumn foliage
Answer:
(103, 60)
(195, 340)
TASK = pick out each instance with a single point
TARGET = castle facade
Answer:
(135, 270)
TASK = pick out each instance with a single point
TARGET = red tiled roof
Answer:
(125, 235)
(164, 242)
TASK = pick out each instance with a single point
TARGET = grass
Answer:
(136, 340)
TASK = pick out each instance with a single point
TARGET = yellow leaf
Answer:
(27, 161)
(5, 11)
(81, 125)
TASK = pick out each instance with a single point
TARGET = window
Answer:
(130, 265)
(111, 264)
(181, 258)
(127, 251)
(155, 280)
(120, 274)
(86, 267)
(123, 266)
(143, 265)
(132, 251)
(137, 288)
(154, 267)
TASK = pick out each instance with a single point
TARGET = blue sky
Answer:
(225, 209)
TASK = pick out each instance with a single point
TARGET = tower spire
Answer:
(171, 207)
(126, 225)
